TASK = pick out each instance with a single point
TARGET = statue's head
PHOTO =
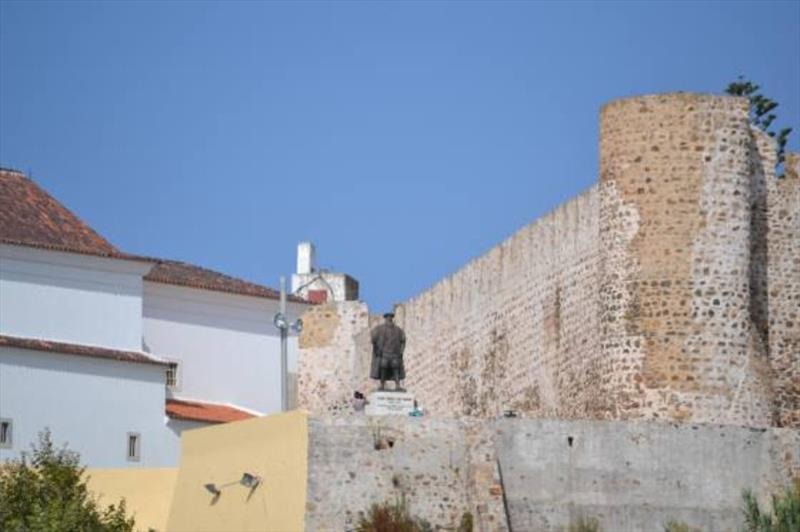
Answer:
(389, 317)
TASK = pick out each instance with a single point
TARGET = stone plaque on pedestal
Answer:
(389, 403)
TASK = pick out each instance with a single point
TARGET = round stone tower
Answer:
(677, 337)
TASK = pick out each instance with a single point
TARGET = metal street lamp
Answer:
(282, 323)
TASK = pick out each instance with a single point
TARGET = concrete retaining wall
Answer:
(630, 476)
(639, 475)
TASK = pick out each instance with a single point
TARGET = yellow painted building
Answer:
(272, 449)
(147, 492)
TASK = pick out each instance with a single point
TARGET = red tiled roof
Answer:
(29, 216)
(35, 344)
(197, 411)
(183, 274)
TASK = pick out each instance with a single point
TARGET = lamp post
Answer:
(283, 325)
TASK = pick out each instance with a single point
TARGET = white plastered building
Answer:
(117, 354)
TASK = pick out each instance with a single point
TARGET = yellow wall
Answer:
(147, 492)
(273, 447)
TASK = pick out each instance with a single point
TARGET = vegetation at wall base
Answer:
(467, 523)
(785, 515)
(48, 492)
(679, 526)
(584, 524)
(392, 517)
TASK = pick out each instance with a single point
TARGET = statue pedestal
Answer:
(388, 403)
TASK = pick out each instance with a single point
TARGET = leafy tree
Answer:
(761, 114)
(48, 492)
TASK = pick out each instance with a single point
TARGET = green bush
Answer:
(49, 493)
(785, 516)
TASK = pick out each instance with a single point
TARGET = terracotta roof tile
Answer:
(64, 348)
(197, 411)
(183, 274)
(29, 216)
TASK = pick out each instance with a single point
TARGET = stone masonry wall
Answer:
(668, 291)
(676, 173)
(516, 328)
(442, 469)
(783, 273)
(334, 361)
(547, 473)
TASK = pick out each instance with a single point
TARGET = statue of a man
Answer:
(388, 344)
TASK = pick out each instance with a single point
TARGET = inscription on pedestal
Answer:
(390, 403)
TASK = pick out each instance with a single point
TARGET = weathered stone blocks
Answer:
(543, 474)
(675, 174)
(670, 290)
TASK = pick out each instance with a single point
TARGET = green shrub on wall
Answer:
(391, 517)
(395, 517)
(785, 515)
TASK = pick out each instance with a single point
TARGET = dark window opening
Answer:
(5, 433)
(134, 446)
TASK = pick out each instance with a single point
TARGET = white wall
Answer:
(71, 298)
(89, 403)
(227, 345)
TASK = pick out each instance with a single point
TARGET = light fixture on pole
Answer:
(282, 323)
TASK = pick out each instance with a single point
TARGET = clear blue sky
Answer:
(403, 138)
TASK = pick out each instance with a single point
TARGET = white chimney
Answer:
(305, 258)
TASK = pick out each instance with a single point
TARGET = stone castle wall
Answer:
(675, 175)
(516, 328)
(334, 361)
(531, 474)
(668, 291)
(783, 274)
(442, 468)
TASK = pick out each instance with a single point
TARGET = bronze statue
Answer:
(388, 344)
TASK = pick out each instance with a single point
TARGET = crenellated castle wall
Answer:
(670, 290)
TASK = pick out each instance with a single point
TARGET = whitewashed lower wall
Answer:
(90, 404)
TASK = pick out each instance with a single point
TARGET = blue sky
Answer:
(403, 138)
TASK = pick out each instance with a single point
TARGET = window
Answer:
(172, 378)
(5, 434)
(134, 446)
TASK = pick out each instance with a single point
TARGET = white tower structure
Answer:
(317, 285)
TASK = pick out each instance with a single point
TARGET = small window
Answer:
(172, 378)
(5, 434)
(134, 446)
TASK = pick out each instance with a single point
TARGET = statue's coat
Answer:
(390, 339)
